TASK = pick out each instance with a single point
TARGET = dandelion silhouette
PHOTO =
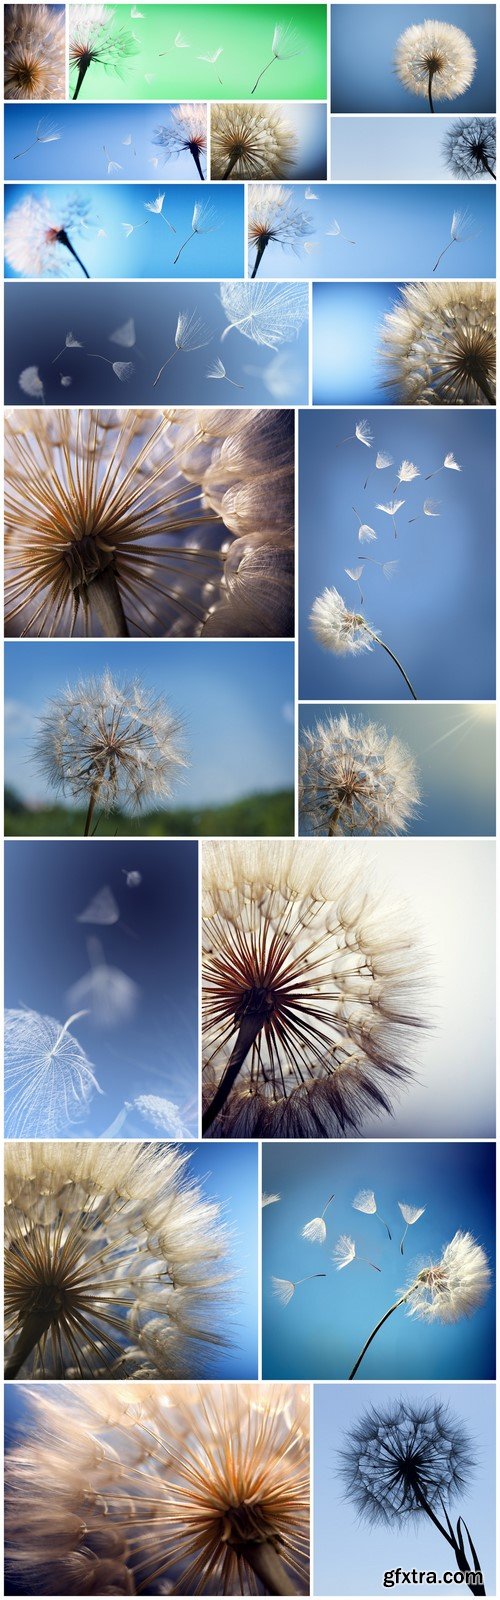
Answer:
(46, 133)
(273, 218)
(94, 39)
(49, 1083)
(269, 314)
(186, 133)
(285, 46)
(445, 1290)
(435, 60)
(407, 1459)
(470, 148)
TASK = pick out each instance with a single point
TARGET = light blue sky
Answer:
(151, 250)
(354, 1563)
(404, 149)
(83, 130)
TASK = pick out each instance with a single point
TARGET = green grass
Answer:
(257, 814)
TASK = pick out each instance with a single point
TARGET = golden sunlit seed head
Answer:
(355, 778)
(34, 52)
(438, 344)
(250, 141)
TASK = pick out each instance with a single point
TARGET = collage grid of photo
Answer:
(250, 798)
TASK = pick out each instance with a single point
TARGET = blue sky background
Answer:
(447, 743)
(235, 705)
(399, 231)
(438, 611)
(149, 252)
(355, 1564)
(348, 368)
(322, 1331)
(379, 148)
(363, 40)
(38, 317)
(154, 943)
(84, 129)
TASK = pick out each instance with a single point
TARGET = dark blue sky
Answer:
(363, 39)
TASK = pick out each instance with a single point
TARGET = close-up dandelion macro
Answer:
(470, 148)
(269, 314)
(97, 38)
(355, 778)
(313, 991)
(34, 52)
(116, 1263)
(438, 344)
(161, 1489)
(251, 141)
(435, 60)
(346, 632)
(38, 241)
(443, 1291)
(48, 1080)
(185, 132)
(274, 219)
(149, 523)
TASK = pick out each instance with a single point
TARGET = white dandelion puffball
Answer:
(315, 1230)
(116, 1262)
(49, 1083)
(338, 629)
(355, 778)
(438, 344)
(453, 1287)
(38, 236)
(117, 741)
(436, 54)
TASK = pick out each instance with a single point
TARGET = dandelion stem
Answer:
(84, 65)
(374, 1331)
(483, 385)
(25, 152)
(91, 809)
(232, 162)
(493, 175)
(393, 658)
(258, 258)
(432, 70)
(250, 1027)
(104, 596)
(403, 1239)
(196, 158)
(183, 246)
(62, 238)
(268, 1566)
(261, 74)
(443, 253)
(165, 364)
(36, 1324)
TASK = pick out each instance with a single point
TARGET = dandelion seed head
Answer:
(118, 739)
(438, 344)
(273, 217)
(401, 1451)
(336, 628)
(365, 1201)
(36, 236)
(439, 50)
(34, 42)
(470, 148)
(252, 141)
(355, 778)
(185, 133)
(49, 1083)
(94, 37)
(453, 1287)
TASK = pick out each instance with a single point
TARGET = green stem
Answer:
(375, 1330)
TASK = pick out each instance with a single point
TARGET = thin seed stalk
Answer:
(393, 658)
(104, 595)
(91, 809)
(261, 74)
(374, 1331)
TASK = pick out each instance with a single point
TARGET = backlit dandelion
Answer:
(445, 1290)
(186, 1488)
(362, 433)
(97, 39)
(438, 344)
(345, 1252)
(470, 148)
(310, 981)
(460, 230)
(251, 141)
(46, 132)
(315, 1230)
(213, 57)
(285, 46)
(407, 1459)
(34, 38)
(410, 1215)
(156, 207)
(49, 1083)
(110, 745)
(184, 134)
(346, 632)
(365, 1201)
(269, 314)
(204, 220)
(190, 334)
(115, 1262)
(284, 1288)
(382, 461)
(449, 465)
(355, 779)
(37, 236)
(435, 60)
(273, 218)
(335, 232)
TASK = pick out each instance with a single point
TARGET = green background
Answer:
(246, 34)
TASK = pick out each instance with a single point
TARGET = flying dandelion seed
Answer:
(156, 206)
(180, 43)
(112, 166)
(410, 1215)
(115, 1262)
(344, 1252)
(185, 1487)
(270, 314)
(335, 232)
(101, 909)
(435, 60)
(284, 1289)
(356, 779)
(66, 380)
(218, 370)
(133, 227)
(459, 231)
(190, 334)
(439, 344)
(430, 508)
(274, 219)
(204, 220)
(185, 134)
(315, 1230)
(47, 132)
(391, 509)
(49, 1083)
(70, 343)
(34, 41)
(37, 242)
(285, 46)
(30, 382)
(128, 141)
(94, 39)
(123, 370)
(470, 148)
(108, 994)
(347, 632)
(270, 1200)
(446, 1290)
(382, 460)
(110, 745)
(132, 879)
(251, 141)
(407, 1459)
(406, 474)
(366, 534)
(212, 58)
(449, 464)
(310, 982)
(125, 335)
(362, 433)
(365, 1201)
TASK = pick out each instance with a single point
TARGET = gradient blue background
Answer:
(155, 943)
(411, 151)
(363, 40)
(355, 1563)
(348, 367)
(399, 231)
(148, 253)
(322, 1331)
(38, 317)
(84, 130)
(438, 611)
(447, 743)
(235, 704)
